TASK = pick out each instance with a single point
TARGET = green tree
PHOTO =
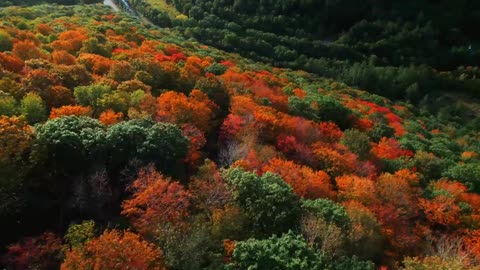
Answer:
(270, 203)
(78, 234)
(91, 95)
(72, 142)
(288, 252)
(33, 108)
(357, 141)
(8, 105)
(6, 43)
(328, 210)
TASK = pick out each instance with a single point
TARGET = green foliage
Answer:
(357, 141)
(33, 108)
(73, 141)
(8, 105)
(353, 263)
(6, 43)
(143, 139)
(288, 252)
(268, 201)
(328, 210)
(469, 174)
(216, 68)
(78, 234)
(91, 95)
(381, 130)
(320, 108)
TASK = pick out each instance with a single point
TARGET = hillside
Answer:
(128, 146)
(398, 49)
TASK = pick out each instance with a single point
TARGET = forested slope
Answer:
(124, 142)
(399, 49)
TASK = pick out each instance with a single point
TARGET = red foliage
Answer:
(231, 126)
(41, 252)
(11, 63)
(389, 148)
(156, 200)
(304, 181)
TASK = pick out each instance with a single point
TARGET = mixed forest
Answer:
(239, 136)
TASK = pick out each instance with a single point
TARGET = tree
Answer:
(268, 201)
(114, 250)
(286, 252)
(26, 50)
(91, 95)
(156, 201)
(42, 252)
(63, 58)
(109, 117)
(6, 43)
(177, 108)
(17, 155)
(72, 141)
(79, 234)
(304, 181)
(327, 210)
(70, 110)
(352, 187)
(357, 141)
(33, 108)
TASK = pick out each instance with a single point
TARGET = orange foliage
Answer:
(177, 108)
(44, 29)
(109, 117)
(27, 50)
(97, 64)
(115, 250)
(11, 62)
(63, 58)
(304, 181)
(389, 148)
(332, 161)
(441, 210)
(156, 200)
(70, 110)
(351, 187)
(16, 138)
(70, 41)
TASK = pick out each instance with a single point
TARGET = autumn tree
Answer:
(352, 187)
(109, 117)
(17, 155)
(177, 108)
(26, 50)
(114, 250)
(156, 201)
(63, 58)
(42, 252)
(304, 181)
(70, 110)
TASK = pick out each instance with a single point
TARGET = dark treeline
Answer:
(395, 49)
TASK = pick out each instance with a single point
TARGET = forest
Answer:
(124, 145)
(398, 49)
